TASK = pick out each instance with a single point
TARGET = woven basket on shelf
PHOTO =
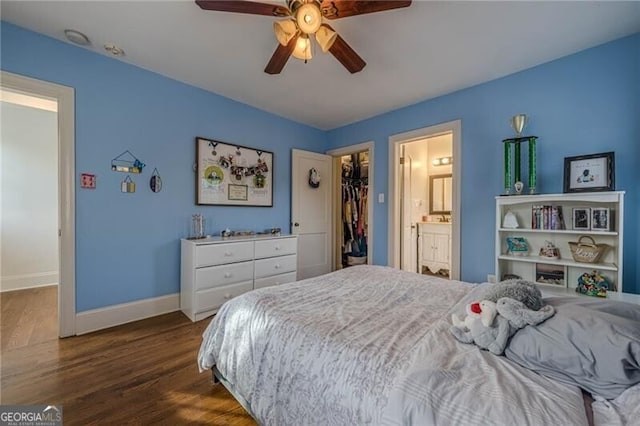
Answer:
(587, 252)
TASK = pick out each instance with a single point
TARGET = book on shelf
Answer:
(547, 217)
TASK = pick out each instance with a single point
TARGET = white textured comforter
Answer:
(370, 345)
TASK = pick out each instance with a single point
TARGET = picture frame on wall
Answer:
(600, 219)
(586, 173)
(581, 218)
(233, 175)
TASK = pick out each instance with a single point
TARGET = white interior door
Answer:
(311, 213)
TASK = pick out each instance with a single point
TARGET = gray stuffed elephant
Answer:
(491, 328)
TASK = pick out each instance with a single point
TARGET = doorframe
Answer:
(337, 202)
(65, 96)
(455, 128)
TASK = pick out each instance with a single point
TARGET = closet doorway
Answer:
(353, 180)
(424, 197)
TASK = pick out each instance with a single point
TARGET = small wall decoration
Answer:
(155, 183)
(314, 178)
(128, 185)
(595, 172)
(233, 175)
(600, 219)
(88, 181)
(127, 163)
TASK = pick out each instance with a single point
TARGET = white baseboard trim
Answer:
(24, 281)
(98, 319)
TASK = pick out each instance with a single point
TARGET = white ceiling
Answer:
(426, 50)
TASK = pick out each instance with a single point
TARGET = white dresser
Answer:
(214, 270)
(434, 246)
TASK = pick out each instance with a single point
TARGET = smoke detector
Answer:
(77, 37)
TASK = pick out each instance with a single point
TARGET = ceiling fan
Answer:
(294, 35)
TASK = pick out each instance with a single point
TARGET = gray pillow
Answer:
(591, 343)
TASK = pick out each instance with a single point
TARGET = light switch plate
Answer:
(381, 197)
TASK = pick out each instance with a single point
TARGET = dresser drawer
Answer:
(276, 247)
(215, 276)
(275, 280)
(219, 254)
(213, 298)
(275, 266)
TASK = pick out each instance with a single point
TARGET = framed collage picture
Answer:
(233, 175)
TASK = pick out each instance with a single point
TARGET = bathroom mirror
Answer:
(440, 194)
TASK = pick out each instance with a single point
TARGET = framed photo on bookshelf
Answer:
(600, 220)
(549, 274)
(582, 218)
(594, 172)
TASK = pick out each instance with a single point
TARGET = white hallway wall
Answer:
(29, 201)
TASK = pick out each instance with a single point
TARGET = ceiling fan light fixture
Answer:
(285, 31)
(309, 18)
(303, 48)
(325, 38)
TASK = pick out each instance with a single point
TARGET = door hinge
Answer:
(59, 232)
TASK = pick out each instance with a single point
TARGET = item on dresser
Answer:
(517, 246)
(587, 252)
(197, 226)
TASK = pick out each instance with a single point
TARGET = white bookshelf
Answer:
(609, 266)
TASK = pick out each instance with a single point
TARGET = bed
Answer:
(370, 345)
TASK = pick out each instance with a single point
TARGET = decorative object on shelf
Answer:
(600, 219)
(550, 274)
(127, 163)
(518, 123)
(510, 220)
(587, 252)
(155, 183)
(588, 173)
(128, 185)
(233, 175)
(226, 233)
(87, 181)
(511, 277)
(517, 246)
(582, 218)
(549, 251)
(592, 284)
(518, 187)
(314, 178)
(197, 227)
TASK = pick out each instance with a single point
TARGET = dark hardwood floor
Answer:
(139, 373)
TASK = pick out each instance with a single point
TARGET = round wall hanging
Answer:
(155, 183)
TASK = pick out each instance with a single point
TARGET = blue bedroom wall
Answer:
(585, 103)
(127, 245)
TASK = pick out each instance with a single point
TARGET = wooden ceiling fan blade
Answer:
(281, 56)
(251, 7)
(334, 9)
(346, 55)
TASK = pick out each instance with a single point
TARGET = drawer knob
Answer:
(227, 275)
(277, 266)
(277, 247)
(227, 253)
(228, 296)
